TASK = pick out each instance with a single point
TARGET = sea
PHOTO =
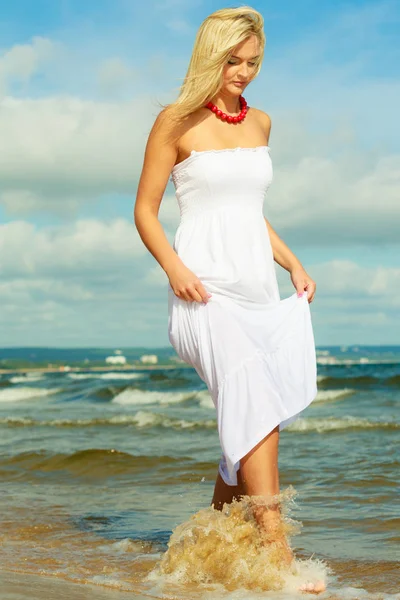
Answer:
(107, 473)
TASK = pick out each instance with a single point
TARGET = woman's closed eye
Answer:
(230, 62)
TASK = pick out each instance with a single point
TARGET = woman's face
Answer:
(241, 66)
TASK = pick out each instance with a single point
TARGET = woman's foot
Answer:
(285, 552)
(287, 557)
(270, 523)
(313, 588)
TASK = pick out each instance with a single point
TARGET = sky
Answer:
(81, 84)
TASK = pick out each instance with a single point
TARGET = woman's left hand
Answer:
(302, 281)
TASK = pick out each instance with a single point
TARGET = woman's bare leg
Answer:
(260, 476)
(258, 473)
(224, 493)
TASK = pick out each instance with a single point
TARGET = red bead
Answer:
(229, 118)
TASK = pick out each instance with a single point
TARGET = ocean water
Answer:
(106, 477)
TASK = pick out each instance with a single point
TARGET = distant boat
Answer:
(116, 359)
(149, 358)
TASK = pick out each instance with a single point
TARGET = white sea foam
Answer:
(130, 396)
(111, 375)
(140, 419)
(337, 424)
(334, 361)
(126, 546)
(149, 419)
(205, 400)
(352, 593)
(25, 393)
(28, 378)
(327, 395)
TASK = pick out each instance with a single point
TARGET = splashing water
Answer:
(229, 548)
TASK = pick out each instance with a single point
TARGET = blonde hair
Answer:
(216, 39)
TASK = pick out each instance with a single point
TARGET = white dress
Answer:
(254, 351)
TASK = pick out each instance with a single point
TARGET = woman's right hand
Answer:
(187, 286)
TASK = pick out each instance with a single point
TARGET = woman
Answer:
(255, 352)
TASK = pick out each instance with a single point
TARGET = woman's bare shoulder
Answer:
(167, 124)
(175, 130)
(263, 121)
(170, 126)
(263, 117)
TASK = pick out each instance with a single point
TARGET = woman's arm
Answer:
(159, 158)
(282, 254)
(286, 259)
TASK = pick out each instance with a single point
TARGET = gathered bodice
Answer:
(234, 178)
(222, 235)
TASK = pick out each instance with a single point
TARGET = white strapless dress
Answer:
(254, 351)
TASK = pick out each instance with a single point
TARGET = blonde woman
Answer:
(254, 351)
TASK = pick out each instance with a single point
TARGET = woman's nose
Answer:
(243, 72)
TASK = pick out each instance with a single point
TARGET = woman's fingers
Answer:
(187, 286)
(311, 293)
(202, 292)
(194, 292)
(194, 295)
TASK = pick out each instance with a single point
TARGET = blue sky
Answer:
(79, 90)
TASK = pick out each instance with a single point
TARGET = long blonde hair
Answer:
(216, 39)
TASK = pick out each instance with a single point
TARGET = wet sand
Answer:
(20, 586)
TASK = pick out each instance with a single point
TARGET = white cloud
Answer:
(326, 201)
(98, 278)
(58, 149)
(81, 283)
(113, 74)
(21, 62)
(346, 283)
(25, 202)
(23, 291)
(87, 246)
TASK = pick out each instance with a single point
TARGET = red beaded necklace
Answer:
(229, 118)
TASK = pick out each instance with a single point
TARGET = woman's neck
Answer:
(227, 103)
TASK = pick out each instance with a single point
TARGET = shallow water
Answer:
(107, 478)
